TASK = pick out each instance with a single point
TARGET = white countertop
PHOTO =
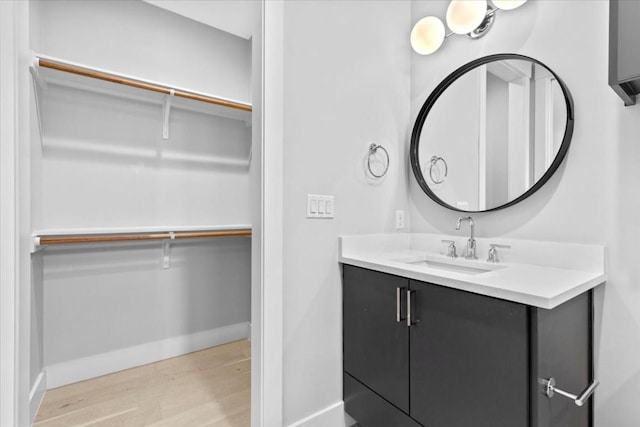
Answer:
(540, 274)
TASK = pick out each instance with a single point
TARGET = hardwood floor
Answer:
(211, 388)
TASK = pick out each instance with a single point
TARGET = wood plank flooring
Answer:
(210, 388)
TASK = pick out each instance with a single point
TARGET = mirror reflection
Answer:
(492, 134)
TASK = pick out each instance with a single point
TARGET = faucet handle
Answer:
(493, 252)
(451, 250)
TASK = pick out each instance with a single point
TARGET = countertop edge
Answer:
(500, 293)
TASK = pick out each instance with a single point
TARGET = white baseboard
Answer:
(331, 416)
(84, 368)
(36, 395)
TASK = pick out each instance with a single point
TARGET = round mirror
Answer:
(492, 133)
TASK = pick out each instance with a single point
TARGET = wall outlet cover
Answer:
(399, 220)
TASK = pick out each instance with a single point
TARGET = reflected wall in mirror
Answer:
(492, 133)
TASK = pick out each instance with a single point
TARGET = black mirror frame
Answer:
(431, 100)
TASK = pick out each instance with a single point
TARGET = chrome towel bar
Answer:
(550, 390)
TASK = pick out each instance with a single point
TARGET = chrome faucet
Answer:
(470, 251)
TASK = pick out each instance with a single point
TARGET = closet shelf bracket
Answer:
(166, 248)
(166, 112)
(39, 84)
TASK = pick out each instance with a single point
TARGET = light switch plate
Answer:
(320, 206)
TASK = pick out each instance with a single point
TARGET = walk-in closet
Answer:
(141, 128)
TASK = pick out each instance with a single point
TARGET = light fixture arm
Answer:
(485, 25)
(429, 33)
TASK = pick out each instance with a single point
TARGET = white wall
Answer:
(145, 41)
(593, 197)
(346, 84)
(129, 175)
(103, 163)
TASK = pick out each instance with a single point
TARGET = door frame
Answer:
(267, 216)
(15, 218)
(8, 220)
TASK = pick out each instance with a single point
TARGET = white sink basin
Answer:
(464, 269)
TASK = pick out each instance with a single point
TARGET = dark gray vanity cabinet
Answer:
(466, 360)
(624, 55)
(376, 350)
(469, 363)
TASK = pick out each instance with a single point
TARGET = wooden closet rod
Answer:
(97, 238)
(113, 78)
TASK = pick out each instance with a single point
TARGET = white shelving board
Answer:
(61, 78)
(131, 230)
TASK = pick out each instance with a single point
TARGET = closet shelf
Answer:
(55, 71)
(136, 234)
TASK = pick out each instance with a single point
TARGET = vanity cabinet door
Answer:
(376, 346)
(469, 359)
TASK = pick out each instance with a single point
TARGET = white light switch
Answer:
(319, 206)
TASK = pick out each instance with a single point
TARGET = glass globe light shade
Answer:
(464, 16)
(508, 4)
(427, 35)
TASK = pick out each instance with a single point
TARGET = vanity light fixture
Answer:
(472, 18)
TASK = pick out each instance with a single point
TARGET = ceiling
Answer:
(232, 16)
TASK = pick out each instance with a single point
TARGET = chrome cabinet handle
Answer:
(399, 317)
(409, 321)
(550, 390)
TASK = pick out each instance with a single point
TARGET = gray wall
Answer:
(101, 299)
(103, 163)
(593, 197)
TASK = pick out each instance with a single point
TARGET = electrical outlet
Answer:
(399, 220)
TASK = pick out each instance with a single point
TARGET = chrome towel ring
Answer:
(373, 149)
(434, 163)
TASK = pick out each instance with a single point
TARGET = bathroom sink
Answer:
(454, 267)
